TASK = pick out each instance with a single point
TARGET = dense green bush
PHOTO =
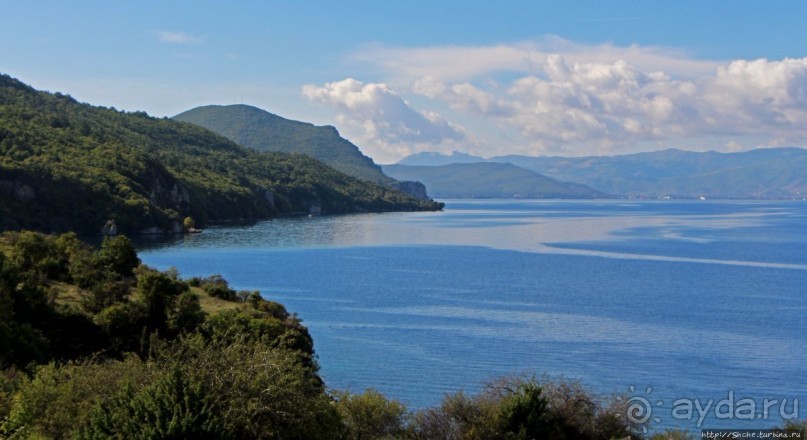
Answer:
(523, 408)
(216, 286)
(370, 415)
(524, 415)
(58, 398)
(262, 391)
(173, 407)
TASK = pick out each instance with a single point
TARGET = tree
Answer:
(187, 314)
(158, 292)
(118, 256)
(22, 306)
(189, 224)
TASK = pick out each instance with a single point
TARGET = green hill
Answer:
(260, 130)
(490, 180)
(65, 165)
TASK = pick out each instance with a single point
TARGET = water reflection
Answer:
(594, 228)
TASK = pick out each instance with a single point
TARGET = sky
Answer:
(566, 78)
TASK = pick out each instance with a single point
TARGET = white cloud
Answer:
(461, 96)
(553, 96)
(750, 96)
(609, 107)
(382, 122)
(459, 63)
(177, 38)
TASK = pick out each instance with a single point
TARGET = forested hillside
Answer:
(260, 130)
(71, 166)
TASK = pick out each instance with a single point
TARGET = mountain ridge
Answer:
(261, 130)
(490, 180)
(764, 173)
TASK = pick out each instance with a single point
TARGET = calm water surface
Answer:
(691, 300)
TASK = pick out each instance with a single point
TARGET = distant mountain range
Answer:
(429, 159)
(490, 180)
(770, 173)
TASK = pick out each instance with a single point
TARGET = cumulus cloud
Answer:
(380, 120)
(553, 96)
(615, 106)
(747, 96)
(177, 37)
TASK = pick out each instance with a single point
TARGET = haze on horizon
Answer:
(396, 79)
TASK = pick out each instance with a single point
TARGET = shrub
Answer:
(218, 287)
(263, 392)
(174, 407)
(58, 399)
(370, 415)
(521, 408)
(523, 414)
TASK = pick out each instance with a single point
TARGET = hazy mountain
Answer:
(489, 180)
(430, 159)
(65, 165)
(763, 173)
(260, 130)
(769, 173)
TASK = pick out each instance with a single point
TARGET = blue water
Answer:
(690, 300)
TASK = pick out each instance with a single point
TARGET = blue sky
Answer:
(561, 78)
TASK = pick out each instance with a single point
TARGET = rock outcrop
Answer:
(414, 189)
(109, 229)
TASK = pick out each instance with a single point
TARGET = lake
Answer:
(674, 303)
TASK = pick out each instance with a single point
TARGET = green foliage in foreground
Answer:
(95, 346)
(71, 166)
